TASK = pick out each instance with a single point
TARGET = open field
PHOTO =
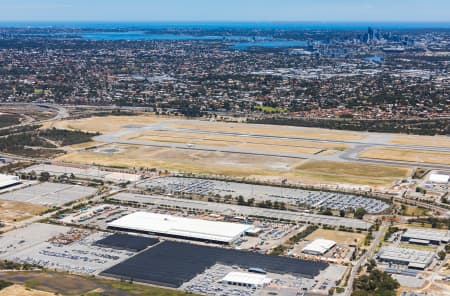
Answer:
(354, 173)
(227, 140)
(11, 211)
(414, 211)
(183, 160)
(83, 145)
(340, 237)
(104, 124)
(435, 141)
(237, 165)
(243, 145)
(19, 290)
(436, 157)
(66, 284)
(276, 130)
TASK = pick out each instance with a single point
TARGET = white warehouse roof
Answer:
(439, 178)
(319, 246)
(8, 180)
(247, 279)
(223, 232)
(427, 234)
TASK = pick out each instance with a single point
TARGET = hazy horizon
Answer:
(407, 11)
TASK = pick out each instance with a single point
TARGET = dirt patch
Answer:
(186, 160)
(340, 237)
(12, 211)
(19, 290)
(407, 155)
(352, 173)
(434, 141)
(104, 124)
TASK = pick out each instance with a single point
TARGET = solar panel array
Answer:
(127, 242)
(173, 263)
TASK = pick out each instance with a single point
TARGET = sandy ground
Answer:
(407, 155)
(352, 173)
(435, 141)
(184, 160)
(19, 290)
(104, 124)
(238, 165)
(11, 211)
(340, 237)
(314, 133)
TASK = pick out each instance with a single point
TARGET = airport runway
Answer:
(372, 140)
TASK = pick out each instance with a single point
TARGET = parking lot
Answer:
(61, 248)
(49, 194)
(236, 210)
(88, 172)
(209, 283)
(292, 196)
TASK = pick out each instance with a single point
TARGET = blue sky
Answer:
(226, 10)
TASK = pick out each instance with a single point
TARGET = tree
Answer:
(341, 213)
(360, 212)
(44, 176)
(377, 283)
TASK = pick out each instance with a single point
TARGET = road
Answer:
(369, 254)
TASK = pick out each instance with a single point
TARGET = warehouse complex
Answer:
(319, 247)
(426, 236)
(180, 227)
(412, 258)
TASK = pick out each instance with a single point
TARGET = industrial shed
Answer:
(246, 279)
(181, 227)
(414, 259)
(426, 236)
(319, 247)
(8, 181)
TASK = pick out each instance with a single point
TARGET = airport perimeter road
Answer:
(61, 113)
(369, 254)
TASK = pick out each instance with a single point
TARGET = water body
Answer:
(269, 44)
(142, 35)
(240, 42)
(375, 59)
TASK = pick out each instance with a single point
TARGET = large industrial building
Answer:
(439, 178)
(319, 247)
(180, 227)
(426, 236)
(413, 259)
(8, 181)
